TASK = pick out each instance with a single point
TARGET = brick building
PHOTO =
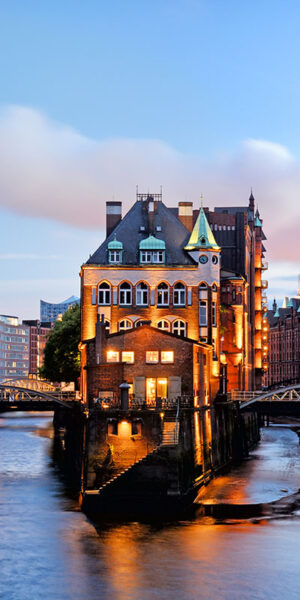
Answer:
(283, 331)
(155, 363)
(162, 266)
(38, 335)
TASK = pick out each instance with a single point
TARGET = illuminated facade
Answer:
(283, 333)
(160, 268)
(38, 335)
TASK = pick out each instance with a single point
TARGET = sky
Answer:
(196, 96)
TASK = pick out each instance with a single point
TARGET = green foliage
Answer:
(61, 356)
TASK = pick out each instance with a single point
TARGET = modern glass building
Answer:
(14, 348)
(51, 312)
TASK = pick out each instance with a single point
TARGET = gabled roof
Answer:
(202, 235)
(134, 228)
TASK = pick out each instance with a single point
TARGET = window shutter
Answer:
(174, 387)
(94, 290)
(189, 296)
(140, 387)
(115, 296)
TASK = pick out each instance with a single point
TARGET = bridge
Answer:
(17, 398)
(281, 401)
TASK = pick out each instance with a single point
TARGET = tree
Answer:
(61, 355)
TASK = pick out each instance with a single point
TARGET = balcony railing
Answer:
(136, 403)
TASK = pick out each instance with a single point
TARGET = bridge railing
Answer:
(242, 396)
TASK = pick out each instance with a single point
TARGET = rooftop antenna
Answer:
(201, 201)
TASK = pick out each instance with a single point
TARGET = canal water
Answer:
(49, 550)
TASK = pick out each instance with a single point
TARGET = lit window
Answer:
(112, 356)
(125, 324)
(152, 356)
(179, 328)
(167, 356)
(202, 313)
(162, 388)
(125, 293)
(179, 294)
(164, 325)
(104, 294)
(128, 356)
(162, 294)
(115, 256)
(142, 293)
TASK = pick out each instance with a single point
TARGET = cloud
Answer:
(50, 170)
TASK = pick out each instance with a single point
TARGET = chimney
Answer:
(113, 216)
(185, 214)
(100, 339)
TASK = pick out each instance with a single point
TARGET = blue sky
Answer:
(196, 96)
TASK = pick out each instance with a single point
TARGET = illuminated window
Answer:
(128, 356)
(179, 328)
(179, 294)
(142, 293)
(104, 294)
(125, 293)
(162, 388)
(167, 356)
(125, 324)
(112, 356)
(162, 294)
(152, 356)
(164, 325)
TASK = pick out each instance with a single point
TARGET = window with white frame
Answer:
(152, 256)
(164, 325)
(112, 356)
(179, 294)
(115, 256)
(203, 313)
(203, 287)
(142, 294)
(179, 327)
(104, 294)
(167, 356)
(152, 356)
(128, 356)
(125, 324)
(162, 294)
(125, 293)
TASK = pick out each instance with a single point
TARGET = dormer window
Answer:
(152, 251)
(115, 251)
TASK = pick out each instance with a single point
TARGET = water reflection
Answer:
(49, 551)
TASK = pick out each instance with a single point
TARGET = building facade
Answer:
(162, 266)
(14, 348)
(283, 331)
(50, 312)
(38, 335)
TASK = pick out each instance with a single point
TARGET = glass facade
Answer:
(51, 312)
(14, 348)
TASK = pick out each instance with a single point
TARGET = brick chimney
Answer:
(185, 214)
(113, 216)
(100, 341)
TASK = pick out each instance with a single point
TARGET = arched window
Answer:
(140, 322)
(179, 328)
(162, 294)
(216, 227)
(214, 287)
(125, 324)
(164, 325)
(125, 293)
(203, 313)
(179, 294)
(142, 294)
(104, 294)
(107, 325)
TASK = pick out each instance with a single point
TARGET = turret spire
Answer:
(202, 235)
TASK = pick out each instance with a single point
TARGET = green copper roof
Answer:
(277, 313)
(152, 243)
(257, 222)
(202, 235)
(115, 244)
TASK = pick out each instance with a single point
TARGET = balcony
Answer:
(264, 284)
